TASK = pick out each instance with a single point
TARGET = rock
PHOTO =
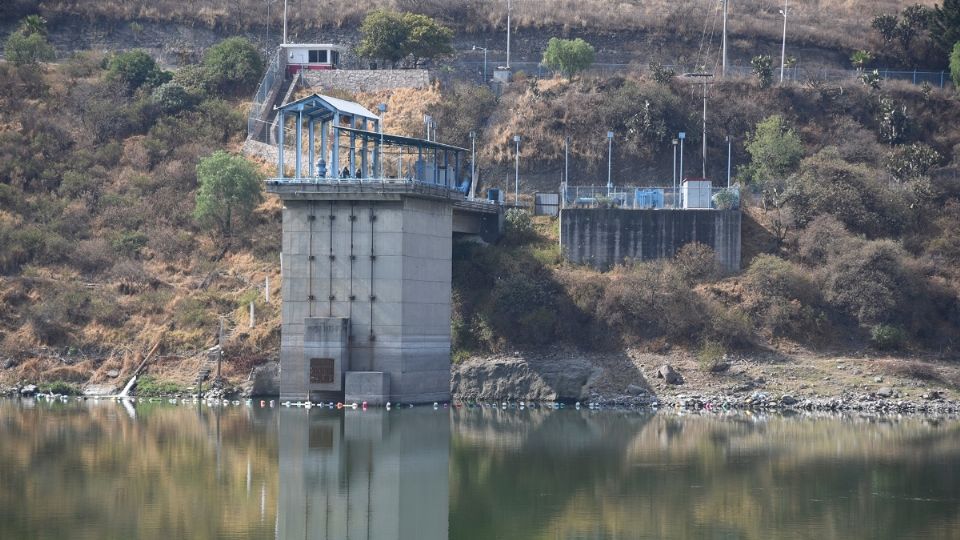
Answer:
(668, 374)
(113, 373)
(878, 379)
(28, 390)
(933, 394)
(885, 392)
(787, 399)
(507, 377)
(9, 363)
(635, 390)
(266, 380)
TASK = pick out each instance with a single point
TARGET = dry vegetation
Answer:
(839, 24)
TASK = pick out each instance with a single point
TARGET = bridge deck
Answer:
(375, 189)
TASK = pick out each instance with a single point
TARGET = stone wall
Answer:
(367, 80)
(603, 238)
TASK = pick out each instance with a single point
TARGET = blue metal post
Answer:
(311, 164)
(353, 148)
(364, 170)
(335, 156)
(324, 126)
(299, 143)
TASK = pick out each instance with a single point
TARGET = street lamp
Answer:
(675, 143)
(729, 154)
(609, 162)
(284, 22)
(783, 49)
(681, 136)
(703, 76)
(516, 176)
(509, 8)
(473, 163)
(484, 49)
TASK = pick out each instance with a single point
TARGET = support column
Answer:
(299, 149)
(324, 126)
(364, 167)
(311, 165)
(377, 162)
(353, 148)
(335, 153)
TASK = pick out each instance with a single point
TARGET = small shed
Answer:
(311, 56)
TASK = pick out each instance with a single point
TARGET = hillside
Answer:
(850, 243)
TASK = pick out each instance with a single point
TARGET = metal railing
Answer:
(380, 185)
(261, 99)
(939, 79)
(691, 197)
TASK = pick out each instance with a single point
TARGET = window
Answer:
(335, 58)
(321, 370)
(318, 56)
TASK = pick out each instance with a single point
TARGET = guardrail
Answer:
(690, 197)
(379, 186)
(271, 78)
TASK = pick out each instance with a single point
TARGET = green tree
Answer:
(955, 64)
(886, 26)
(135, 69)
(233, 66)
(763, 69)
(568, 56)
(426, 38)
(26, 50)
(945, 24)
(229, 190)
(384, 35)
(860, 59)
(28, 45)
(775, 150)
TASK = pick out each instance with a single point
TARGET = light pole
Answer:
(783, 49)
(723, 69)
(284, 22)
(509, 8)
(675, 143)
(729, 154)
(682, 136)
(609, 162)
(566, 161)
(516, 176)
(484, 49)
(473, 163)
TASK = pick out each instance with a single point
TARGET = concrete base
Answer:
(370, 386)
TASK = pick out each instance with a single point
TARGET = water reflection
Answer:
(364, 475)
(91, 471)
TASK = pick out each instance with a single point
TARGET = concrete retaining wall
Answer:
(603, 238)
(368, 80)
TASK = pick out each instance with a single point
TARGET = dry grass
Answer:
(815, 21)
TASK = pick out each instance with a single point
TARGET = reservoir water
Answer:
(102, 470)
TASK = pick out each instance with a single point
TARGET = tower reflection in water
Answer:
(364, 475)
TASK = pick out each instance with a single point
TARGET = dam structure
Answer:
(368, 224)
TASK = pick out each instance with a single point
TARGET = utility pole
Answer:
(729, 154)
(284, 22)
(509, 8)
(516, 177)
(723, 69)
(703, 76)
(566, 161)
(609, 162)
(783, 48)
(683, 135)
(473, 163)
(675, 143)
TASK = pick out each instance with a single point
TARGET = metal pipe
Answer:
(509, 7)
(723, 69)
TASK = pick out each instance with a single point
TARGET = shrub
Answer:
(650, 300)
(662, 75)
(775, 150)
(233, 66)
(763, 70)
(171, 98)
(784, 300)
(871, 283)
(518, 227)
(568, 56)
(149, 386)
(28, 49)
(93, 255)
(135, 69)
(822, 238)
(60, 387)
(887, 337)
(697, 263)
(711, 357)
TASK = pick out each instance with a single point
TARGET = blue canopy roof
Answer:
(323, 108)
